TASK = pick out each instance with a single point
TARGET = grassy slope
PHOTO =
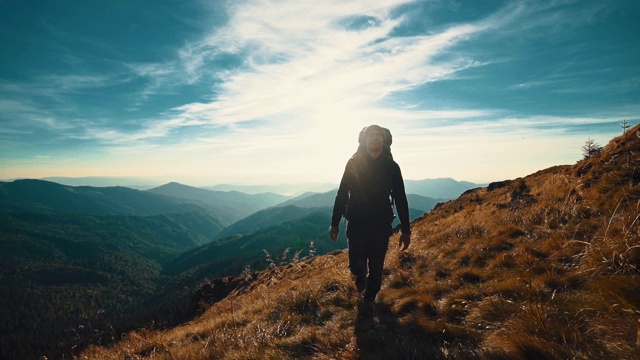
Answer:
(543, 267)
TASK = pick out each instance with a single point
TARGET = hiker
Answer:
(371, 184)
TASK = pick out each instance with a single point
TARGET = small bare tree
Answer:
(624, 125)
(590, 148)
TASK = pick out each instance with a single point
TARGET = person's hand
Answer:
(405, 240)
(333, 232)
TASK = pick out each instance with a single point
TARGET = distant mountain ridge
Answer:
(311, 199)
(283, 189)
(46, 196)
(230, 206)
(416, 201)
(138, 183)
(442, 188)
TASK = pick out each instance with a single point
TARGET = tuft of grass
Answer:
(400, 279)
(470, 275)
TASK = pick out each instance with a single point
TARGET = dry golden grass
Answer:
(542, 267)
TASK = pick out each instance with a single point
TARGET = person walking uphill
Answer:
(371, 184)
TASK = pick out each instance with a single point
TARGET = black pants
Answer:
(367, 249)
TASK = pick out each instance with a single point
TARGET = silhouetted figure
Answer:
(371, 184)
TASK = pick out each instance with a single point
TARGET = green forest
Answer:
(70, 280)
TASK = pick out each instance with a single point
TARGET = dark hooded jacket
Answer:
(367, 191)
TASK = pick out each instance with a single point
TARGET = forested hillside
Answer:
(62, 271)
(308, 233)
(265, 218)
(82, 257)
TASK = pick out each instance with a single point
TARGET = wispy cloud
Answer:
(301, 61)
(24, 117)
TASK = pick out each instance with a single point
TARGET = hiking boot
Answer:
(368, 298)
(361, 283)
(365, 317)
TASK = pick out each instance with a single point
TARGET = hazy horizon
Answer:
(152, 182)
(268, 92)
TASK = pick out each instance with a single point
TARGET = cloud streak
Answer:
(309, 67)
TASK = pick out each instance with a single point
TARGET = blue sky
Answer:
(266, 92)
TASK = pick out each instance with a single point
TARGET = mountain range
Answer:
(446, 188)
(45, 196)
(80, 257)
